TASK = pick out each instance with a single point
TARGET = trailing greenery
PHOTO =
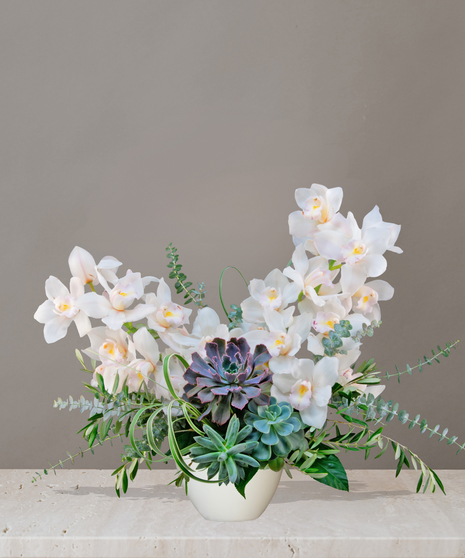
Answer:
(367, 330)
(182, 285)
(235, 315)
(426, 360)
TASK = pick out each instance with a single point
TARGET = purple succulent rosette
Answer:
(229, 377)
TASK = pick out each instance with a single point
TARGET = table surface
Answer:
(77, 513)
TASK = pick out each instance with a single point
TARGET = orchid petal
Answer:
(383, 288)
(45, 312)
(352, 278)
(55, 288)
(76, 287)
(314, 416)
(56, 329)
(82, 265)
(326, 372)
(146, 345)
(82, 323)
(94, 305)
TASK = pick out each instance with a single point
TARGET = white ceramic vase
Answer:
(224, 503)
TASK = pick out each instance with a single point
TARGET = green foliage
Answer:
(378, 409)
(366, 330)
(226, 457)
(235, 317)
(330, 471)
(333, 343)
(277, 429)
(426, 360)
(182, 285)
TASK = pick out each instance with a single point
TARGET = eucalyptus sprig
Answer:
(182, 285)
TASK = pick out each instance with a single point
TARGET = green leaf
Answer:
(336, 475)
(240, 485)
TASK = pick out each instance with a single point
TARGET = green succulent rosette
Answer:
(277, 428)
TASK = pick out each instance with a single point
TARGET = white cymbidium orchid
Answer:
(274, 293)
(365, 300)
(82, 265)
(282, 343)
(207, 326)
(166, 317)
(140, 370)
(325, 320)
(110, 346)
(115, 309)
(308, 388)
(360, 250)
(318, 205)
(347, 374)
(312, 278)
(62, 308)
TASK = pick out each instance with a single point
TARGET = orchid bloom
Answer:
(347, 374)
(308, 388)
(274, 293)
(109, 346)
(206, 327)
(324, 321)
(365, 300)
(114, 308)
(282, 343)
(360, 250)
(140, 370)
(62, 308)
(166, 316)
(82, 265)
(318, 205)
(312, 278)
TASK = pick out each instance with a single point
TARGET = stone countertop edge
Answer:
(77, 514)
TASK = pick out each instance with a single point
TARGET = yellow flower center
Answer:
(303, 390)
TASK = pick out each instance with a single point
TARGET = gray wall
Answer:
(128, 125)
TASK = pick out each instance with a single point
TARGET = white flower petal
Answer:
(82, 265)
(326, 372)
(76, 287)
(82, 323)
(282, 365)
(252, 311)
(301, 226)
(45, 312)
(94, 305)
(55, 288)
(146, 345)
(314, 416)
(56, 329)
(276, 279)
(383, 288)
(352, 278)
(206, 323)
(374, 265)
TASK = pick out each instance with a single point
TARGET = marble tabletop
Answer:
(77, 513)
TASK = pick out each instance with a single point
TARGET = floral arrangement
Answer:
(238, 397)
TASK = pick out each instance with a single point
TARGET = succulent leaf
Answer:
(277, 429)
(229, 376)
(229, 458)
